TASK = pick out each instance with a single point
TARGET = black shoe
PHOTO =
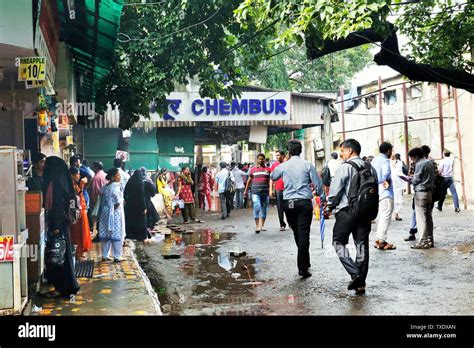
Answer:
(305, 274)
(439, 208)
(410, 238)
(356, 282)
(223, 218)
(457, 210)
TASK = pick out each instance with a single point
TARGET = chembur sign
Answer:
(251, 106)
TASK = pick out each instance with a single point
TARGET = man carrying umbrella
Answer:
(297, 175)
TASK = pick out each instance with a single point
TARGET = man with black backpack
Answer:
(225, 183)
(354, 198)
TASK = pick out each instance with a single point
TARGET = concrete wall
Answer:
(421, 132)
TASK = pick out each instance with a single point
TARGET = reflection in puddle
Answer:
(218, 277)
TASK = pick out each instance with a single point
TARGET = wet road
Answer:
(206, 280)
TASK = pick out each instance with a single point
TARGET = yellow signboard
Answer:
(35, 84)
(32, 69)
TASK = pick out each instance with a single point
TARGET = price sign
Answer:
(32, 69)
(6, 248)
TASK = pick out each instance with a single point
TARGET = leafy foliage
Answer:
(440, 33)
(172, 43)
(291, 70)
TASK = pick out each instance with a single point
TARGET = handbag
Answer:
(55, 250)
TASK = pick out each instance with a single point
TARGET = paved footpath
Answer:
(115, 289)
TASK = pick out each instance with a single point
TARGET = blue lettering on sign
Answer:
(197, 102)
(212, 107)
(271, 107)
(235, 107)
(239, 106)
(173, 104)
(224, 107)
(280, 105)
(254, 106)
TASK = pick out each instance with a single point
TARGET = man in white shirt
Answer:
(239, 185)
(124, 176)
(224, 196)
(446, 169)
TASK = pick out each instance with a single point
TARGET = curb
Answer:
(146, 281)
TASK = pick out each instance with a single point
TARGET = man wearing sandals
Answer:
(423, 183)
(381, 164)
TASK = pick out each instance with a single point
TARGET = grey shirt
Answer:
(297, 175)
(424, 177)
(340, 185)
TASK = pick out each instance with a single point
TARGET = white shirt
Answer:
(446, 166)
(333, 164)
(124, 176)
(239, 180)
(221, 179)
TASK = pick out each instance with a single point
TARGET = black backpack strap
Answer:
(355, 166)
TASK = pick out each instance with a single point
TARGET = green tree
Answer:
(292, 70)
(174, 41)
(437, 29)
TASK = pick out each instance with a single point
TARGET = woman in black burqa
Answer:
(140, 214)
(59, 196)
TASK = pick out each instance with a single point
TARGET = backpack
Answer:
(55, 250)
(229, 184)
(326, 176)
(437, 188)
(364, 193)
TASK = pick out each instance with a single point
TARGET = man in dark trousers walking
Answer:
(298, 175)
(341, 200)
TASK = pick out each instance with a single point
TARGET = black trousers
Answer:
(346, 224)
(280, 208)
(189, 211)
(299, 215)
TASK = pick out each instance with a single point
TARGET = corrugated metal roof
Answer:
(92, 35)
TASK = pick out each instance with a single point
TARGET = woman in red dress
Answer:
(80, 234)
(205, 189)
(186, 194)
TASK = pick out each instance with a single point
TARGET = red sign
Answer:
(6, 248)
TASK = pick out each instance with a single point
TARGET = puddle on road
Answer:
(220, 282)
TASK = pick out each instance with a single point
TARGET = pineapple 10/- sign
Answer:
(6, 248)
(31, 69)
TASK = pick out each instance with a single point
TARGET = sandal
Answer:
(383, 245)
(421, 245)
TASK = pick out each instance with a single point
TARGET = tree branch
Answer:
(390, 55)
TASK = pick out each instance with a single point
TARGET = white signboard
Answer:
(124, 156)
(251, 106)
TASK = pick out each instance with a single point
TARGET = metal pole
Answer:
(441, 127)
(464, 198)
(381, 110)
(405, 121)
(341, 94)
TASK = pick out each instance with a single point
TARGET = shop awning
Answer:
(91, 31)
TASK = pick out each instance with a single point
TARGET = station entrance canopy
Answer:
(218, 120)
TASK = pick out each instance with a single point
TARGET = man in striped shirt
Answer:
(259, 181)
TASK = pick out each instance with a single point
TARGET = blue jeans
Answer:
(448, 182)
(239, 198)
(260, 205)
